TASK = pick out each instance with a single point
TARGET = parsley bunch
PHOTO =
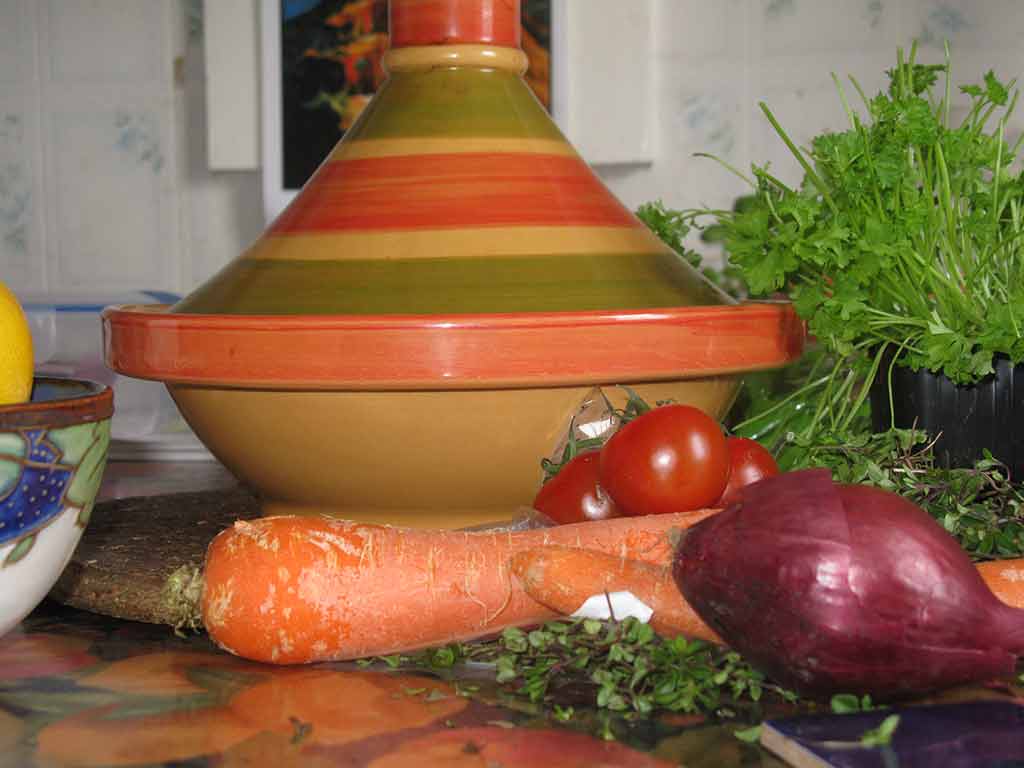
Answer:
(907, 231)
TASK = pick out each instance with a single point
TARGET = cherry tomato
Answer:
(749, 461)
(671, 459)
(573, 495)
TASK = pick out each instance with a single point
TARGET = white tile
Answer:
(16, 51)
(977, 24)
(706, 113)
(112, 208)
(226, 216)
(805, 101)
(222, 213)
(231, 33)
(17, 199)
(696, 29)
(104, 40)
(825, 26)
(600, 41)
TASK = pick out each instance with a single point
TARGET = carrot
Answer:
(1006, 580)
(562, 578)
(297, 589)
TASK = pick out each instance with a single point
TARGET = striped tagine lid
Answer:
(453, 192)
(453, 237)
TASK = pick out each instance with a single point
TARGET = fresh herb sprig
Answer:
(621, 667)
(673, 227)
(978, 505)
(632, 670)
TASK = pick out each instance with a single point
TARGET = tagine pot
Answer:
(964, 420)
(414, 333)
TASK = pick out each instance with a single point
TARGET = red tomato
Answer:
(749, 461)
(573, 495)
(671, 459)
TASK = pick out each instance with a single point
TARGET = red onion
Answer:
(841, 588)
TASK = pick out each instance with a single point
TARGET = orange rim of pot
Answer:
(364, 352)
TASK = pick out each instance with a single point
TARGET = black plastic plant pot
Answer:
(966, 419)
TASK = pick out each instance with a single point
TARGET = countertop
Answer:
(79, 689)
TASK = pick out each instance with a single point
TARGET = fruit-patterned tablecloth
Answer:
(78, 689)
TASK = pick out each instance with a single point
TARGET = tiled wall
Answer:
(103, 186)
(103, 178)
(717, 59)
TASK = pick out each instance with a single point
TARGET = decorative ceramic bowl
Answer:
(414, 333)
(53, 450)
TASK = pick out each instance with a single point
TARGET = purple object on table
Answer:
(962, 735)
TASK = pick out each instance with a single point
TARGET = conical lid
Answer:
(453, 193)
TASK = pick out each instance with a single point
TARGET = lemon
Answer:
(15, 350)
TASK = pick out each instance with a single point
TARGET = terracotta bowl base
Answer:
(448, 459)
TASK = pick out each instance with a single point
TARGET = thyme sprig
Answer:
(629, 667)
(978, 505)
(618, 667)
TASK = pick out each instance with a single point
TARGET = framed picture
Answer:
(322, 65)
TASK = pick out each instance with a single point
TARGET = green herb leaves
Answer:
(882, 735)
(617, 667)
(631, 670)
(977, 505)
(906, 231)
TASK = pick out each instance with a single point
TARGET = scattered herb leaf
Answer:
(882, 735)
(845, 703)
(749, 735)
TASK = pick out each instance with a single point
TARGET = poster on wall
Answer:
(331, 52)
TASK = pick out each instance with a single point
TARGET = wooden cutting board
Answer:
(132, 547)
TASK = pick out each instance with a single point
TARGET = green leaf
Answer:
(882, 735)
(515, 639)
(844, 703)
(995, 90)
(749, 735)
(506, 669)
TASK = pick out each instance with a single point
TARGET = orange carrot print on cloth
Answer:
(514, 748)
(40, 654)
(341, 707)
(165, 673)
(102, 737)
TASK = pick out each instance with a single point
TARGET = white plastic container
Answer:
(68, 341)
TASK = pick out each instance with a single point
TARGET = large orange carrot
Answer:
(1006, 580)
(562, 578)
(302, 589)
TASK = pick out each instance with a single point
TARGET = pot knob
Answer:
(454, 22)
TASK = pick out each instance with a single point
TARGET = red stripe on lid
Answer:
(444, 191)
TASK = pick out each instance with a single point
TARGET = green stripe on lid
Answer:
(454, 102)
(542, 283)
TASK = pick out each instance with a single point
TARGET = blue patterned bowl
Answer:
(53, 450)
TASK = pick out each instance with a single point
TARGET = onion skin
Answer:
(831, 589)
